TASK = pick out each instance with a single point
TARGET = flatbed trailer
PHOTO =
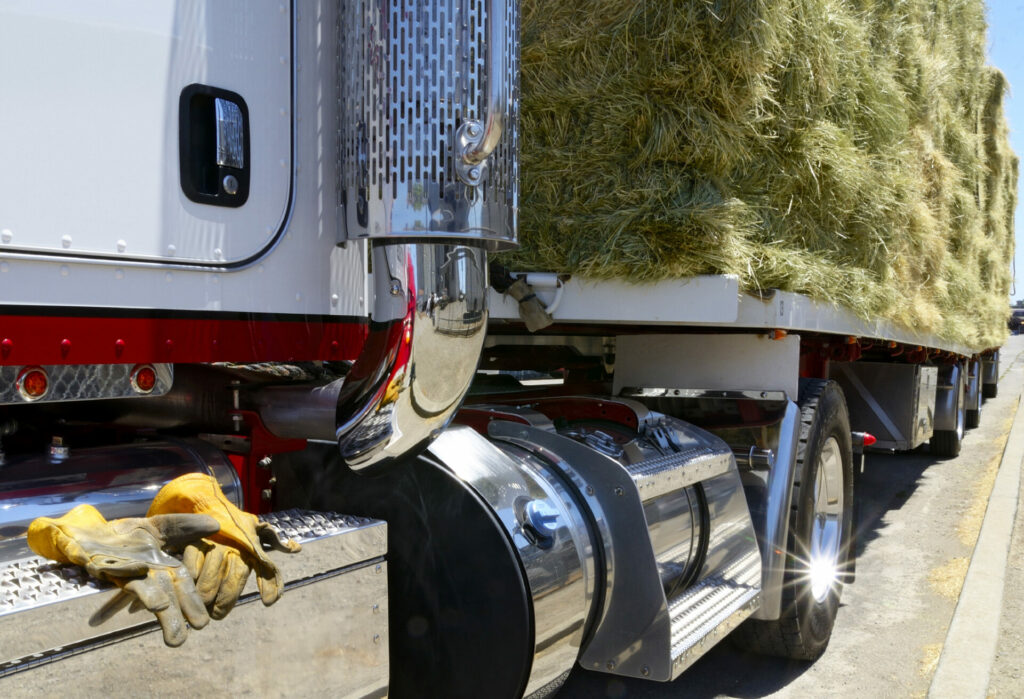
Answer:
(827, 339)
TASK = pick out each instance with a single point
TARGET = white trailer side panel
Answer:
(730, 362)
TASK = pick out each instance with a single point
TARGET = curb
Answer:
(970, 646)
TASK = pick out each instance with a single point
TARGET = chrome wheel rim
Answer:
(826, 531)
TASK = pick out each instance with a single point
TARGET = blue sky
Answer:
(1006, 52)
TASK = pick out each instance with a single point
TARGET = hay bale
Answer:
(851, 150)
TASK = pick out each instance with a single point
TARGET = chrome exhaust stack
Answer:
(427, 332)
(429, 174)
(428, 147)
(429, 109)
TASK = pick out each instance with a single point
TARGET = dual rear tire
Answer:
(946, 443)
(990, 375)
(820, 531)
(974, 394)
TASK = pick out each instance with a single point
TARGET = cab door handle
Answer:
(213, 142)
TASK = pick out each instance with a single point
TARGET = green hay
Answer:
(851, 150)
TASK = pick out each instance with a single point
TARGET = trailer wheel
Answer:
(973, 419)
(973, 414)
(946, 443)
(820, 531)
(990, 375)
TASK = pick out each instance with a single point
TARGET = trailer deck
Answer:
(713, 301)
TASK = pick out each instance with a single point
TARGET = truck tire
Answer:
(990, 375)
(974, 395)
(820, 531)
(973, 418)
(946, 443)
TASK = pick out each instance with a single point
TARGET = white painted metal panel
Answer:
(733, 362)
(708, 299)
(89, 125)
(304, 272)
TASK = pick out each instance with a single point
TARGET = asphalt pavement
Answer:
(935, 609)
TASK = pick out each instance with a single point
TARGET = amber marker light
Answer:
(143, 378)
(32, 383)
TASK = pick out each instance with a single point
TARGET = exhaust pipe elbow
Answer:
(426, 334)
(428, 225)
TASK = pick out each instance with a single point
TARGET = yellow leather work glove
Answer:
(220, 564)
(130, 553)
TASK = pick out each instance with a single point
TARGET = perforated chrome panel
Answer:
(411, 72)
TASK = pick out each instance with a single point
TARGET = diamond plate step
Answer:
(657, 476)
(33, 581)
(46, 606)
(705, 613)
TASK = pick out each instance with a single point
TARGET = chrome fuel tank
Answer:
(672, 545)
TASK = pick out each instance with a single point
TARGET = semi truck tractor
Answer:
(251, 240)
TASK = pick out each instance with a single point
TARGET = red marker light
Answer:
(143, 379)
(861, 440)
(32, 383)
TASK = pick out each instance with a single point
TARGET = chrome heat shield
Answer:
(428, 119)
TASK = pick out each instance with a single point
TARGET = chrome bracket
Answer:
(468, 140)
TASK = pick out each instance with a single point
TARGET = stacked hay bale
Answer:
(851, 150)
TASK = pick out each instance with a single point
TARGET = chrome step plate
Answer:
(663, 474)
(705, 613)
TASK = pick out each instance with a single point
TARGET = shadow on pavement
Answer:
(888, 482)
(724, 670)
